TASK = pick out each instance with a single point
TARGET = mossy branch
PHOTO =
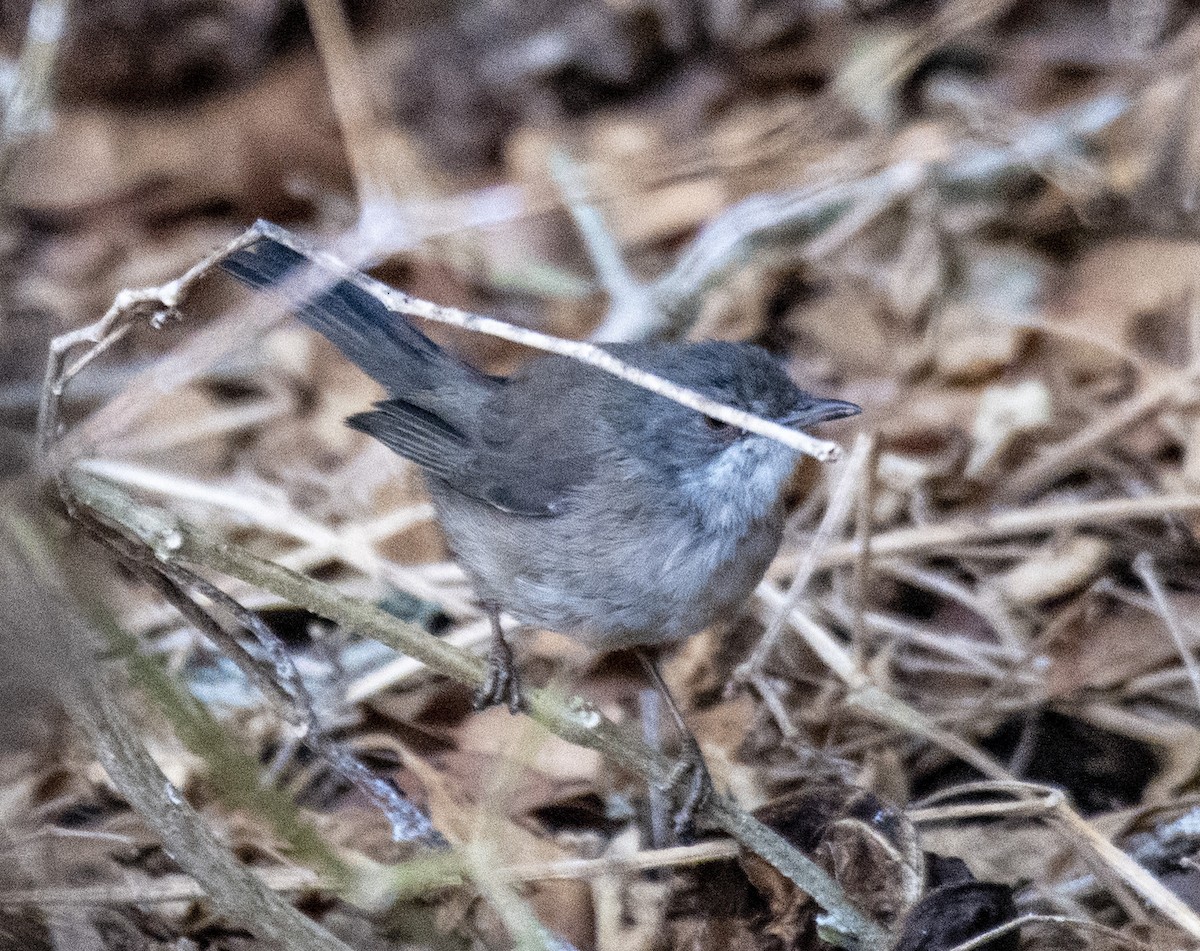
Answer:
(173, 539)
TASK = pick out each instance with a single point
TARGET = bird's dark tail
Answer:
(381, 342)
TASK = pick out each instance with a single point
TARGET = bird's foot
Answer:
(502, 684)
(689, 787)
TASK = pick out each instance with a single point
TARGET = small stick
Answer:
(167, 888)
(864, 523)
(632, 312)
(1143, 565)
(837, 513)
(1033, 520)
(162, 302)
(985, 939)
(1135, 875)
(344, 78)
(1059, 812)
(591, 354)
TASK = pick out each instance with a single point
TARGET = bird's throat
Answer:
(741, 486)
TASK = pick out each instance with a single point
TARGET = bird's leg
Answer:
(502, 685)
(689, 784)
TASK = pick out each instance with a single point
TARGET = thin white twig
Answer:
(588, 353)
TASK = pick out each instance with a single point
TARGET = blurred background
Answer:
(975, 218)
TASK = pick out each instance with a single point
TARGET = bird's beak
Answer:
(818, 410)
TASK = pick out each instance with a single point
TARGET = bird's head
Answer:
(728, 475)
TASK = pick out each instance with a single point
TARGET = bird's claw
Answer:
(689, 786)
(502, 683)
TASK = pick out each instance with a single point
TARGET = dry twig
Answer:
(573, 721)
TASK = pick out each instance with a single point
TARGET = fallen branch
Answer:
(571, 719)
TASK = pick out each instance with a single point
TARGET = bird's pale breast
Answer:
(567, 575)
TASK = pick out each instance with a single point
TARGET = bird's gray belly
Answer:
(609, 582)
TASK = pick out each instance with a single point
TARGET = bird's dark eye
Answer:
(721, 428)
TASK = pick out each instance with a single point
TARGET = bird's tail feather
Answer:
(381, 342)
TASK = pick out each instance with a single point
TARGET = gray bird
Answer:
(574, 500)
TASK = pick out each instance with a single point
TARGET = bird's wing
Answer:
(533, 484)
(417, 434)
(514, 475)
